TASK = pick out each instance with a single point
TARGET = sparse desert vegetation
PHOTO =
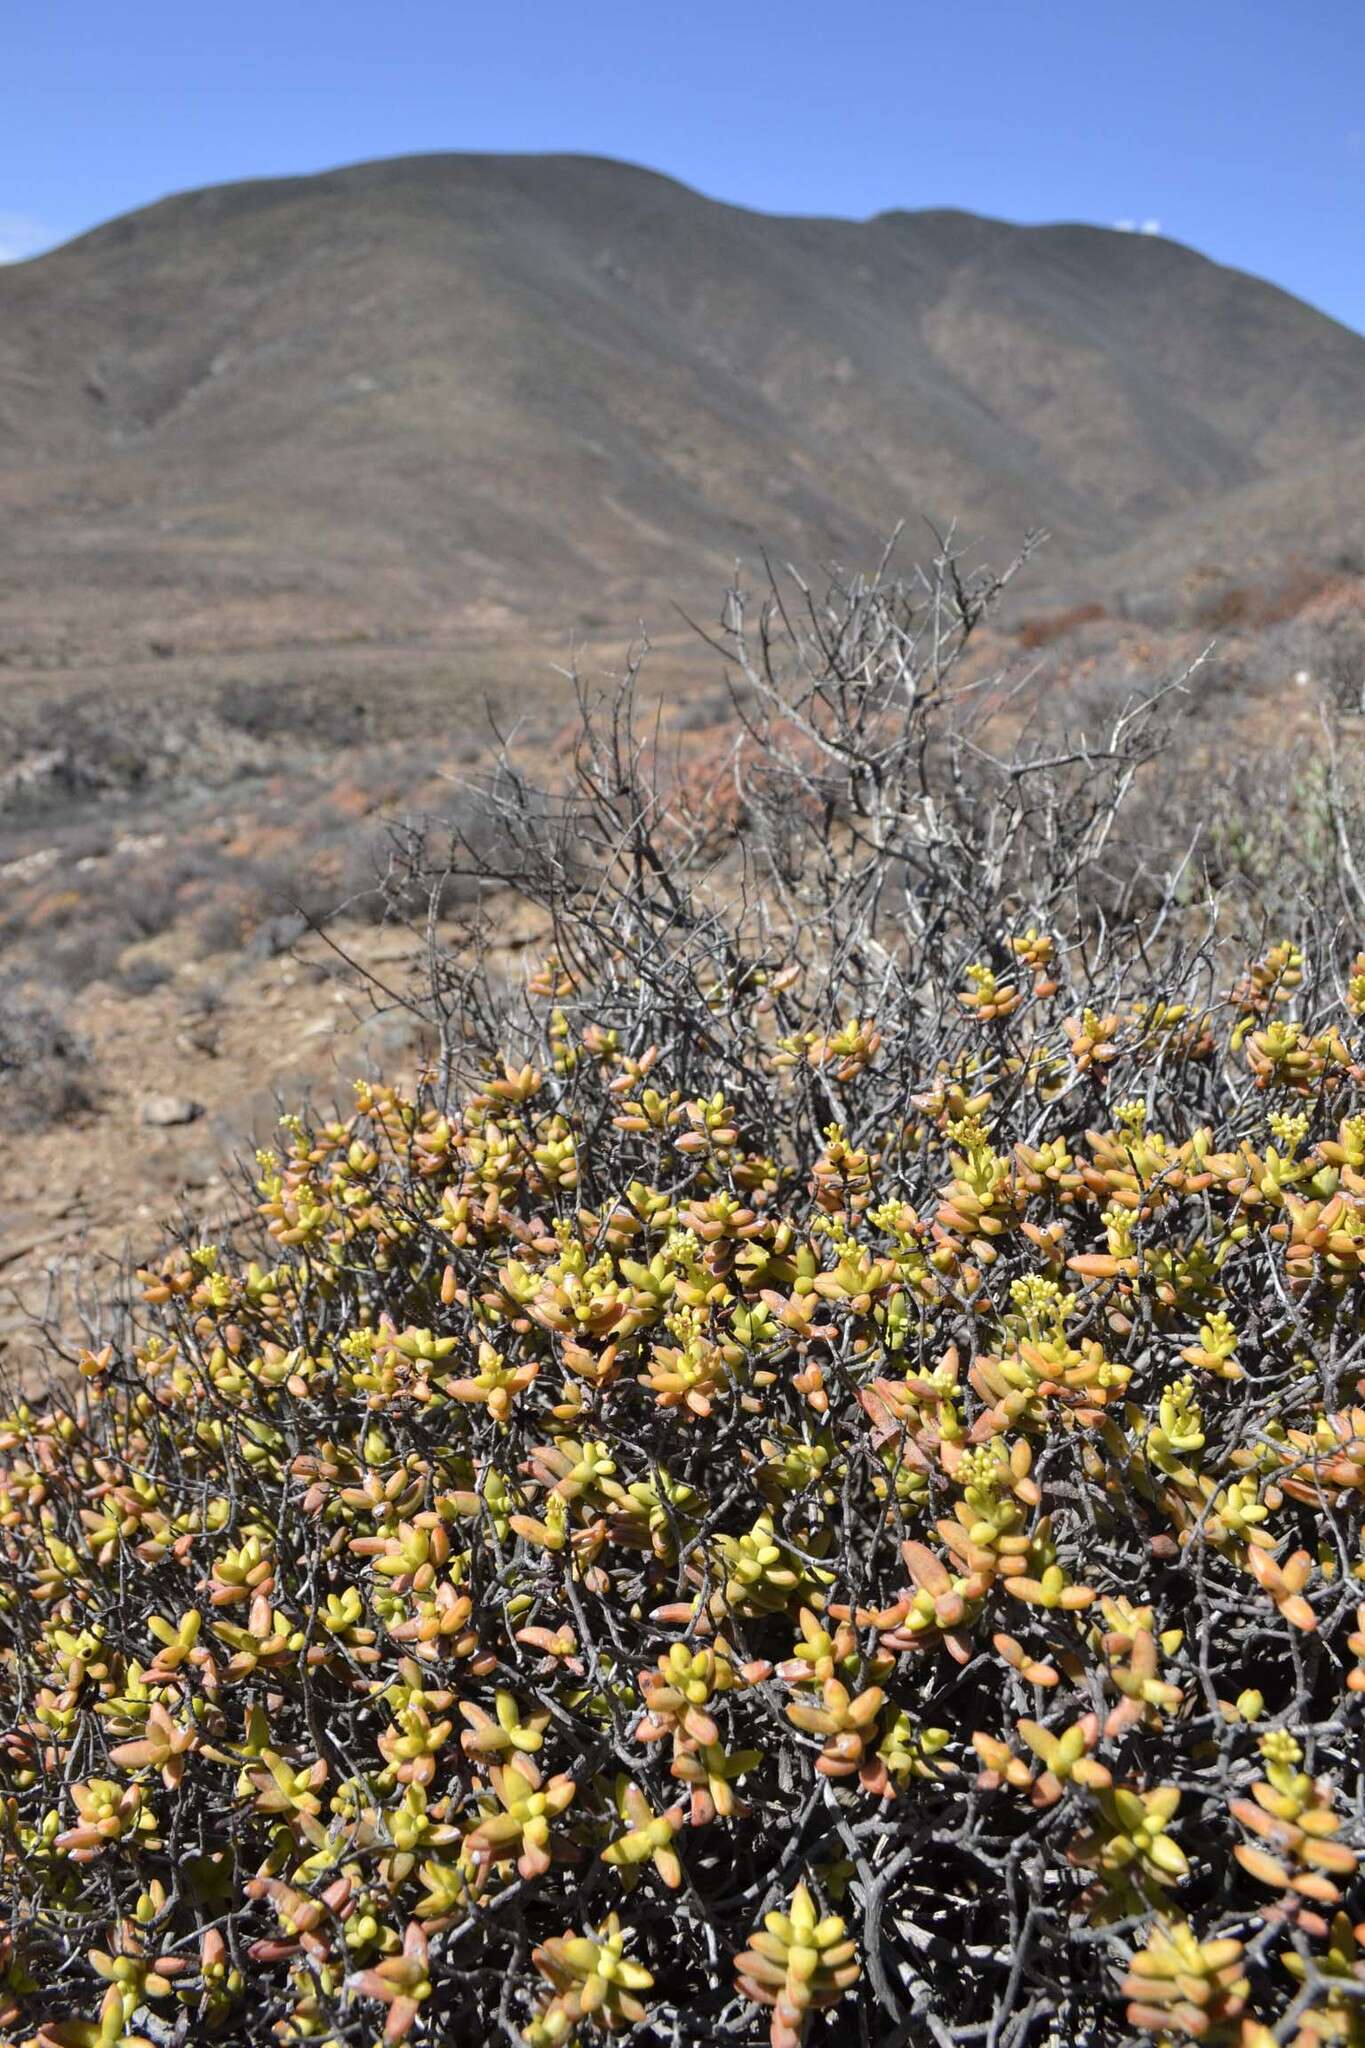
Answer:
(808, 1475)
(173, 848)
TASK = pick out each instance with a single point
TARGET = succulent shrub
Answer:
(809, 1478)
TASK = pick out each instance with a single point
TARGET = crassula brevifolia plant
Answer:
(740, 1519)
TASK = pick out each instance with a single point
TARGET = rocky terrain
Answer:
(411, 412)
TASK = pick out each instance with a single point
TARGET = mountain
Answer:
(447, 400)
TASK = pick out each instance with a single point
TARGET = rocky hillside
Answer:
(447, 399)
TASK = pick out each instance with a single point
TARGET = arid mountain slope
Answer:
(452, 399)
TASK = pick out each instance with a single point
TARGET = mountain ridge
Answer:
(282, 183)
(462, 396)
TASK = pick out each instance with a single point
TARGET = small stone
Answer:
(163, 1110)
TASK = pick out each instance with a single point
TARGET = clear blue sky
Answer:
(1238, 125)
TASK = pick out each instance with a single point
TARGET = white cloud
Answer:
(1138, 227)
(21, 236)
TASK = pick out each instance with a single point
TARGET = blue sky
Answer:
(1237, 125)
